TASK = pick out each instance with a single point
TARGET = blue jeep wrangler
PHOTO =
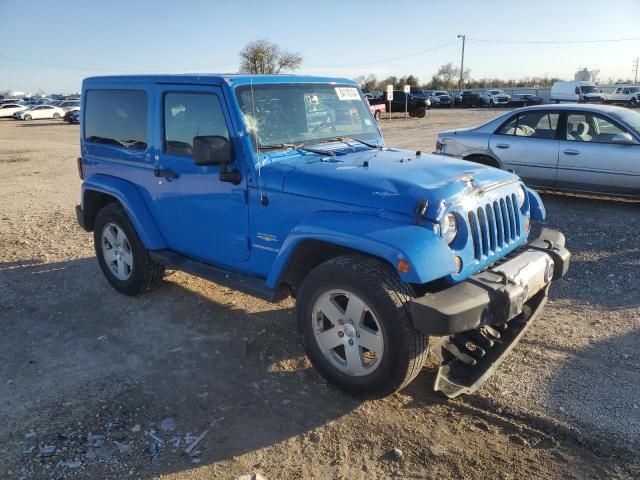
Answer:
(282, 185)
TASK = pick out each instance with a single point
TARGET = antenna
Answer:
(263, 199)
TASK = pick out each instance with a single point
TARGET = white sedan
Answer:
(8, 109)
(40, 111)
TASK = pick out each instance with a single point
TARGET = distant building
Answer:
(586, 75)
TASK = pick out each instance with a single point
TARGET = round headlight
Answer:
(449, 228)
(520, 197)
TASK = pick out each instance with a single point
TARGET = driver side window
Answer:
(188, 115)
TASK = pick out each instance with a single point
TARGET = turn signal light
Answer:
(403, 266)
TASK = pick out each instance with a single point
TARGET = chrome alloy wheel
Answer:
(347, 332)
(116, 251)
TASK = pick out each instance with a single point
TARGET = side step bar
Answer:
(467, 359)
(251, 285)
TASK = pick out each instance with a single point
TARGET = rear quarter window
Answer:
(116, 117)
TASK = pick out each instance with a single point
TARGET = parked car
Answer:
(69, 104)
(495, 98)
(71, 116)
(39, 112)
(8, 109)
(12, 100)
(623, 95)
(380, 247)
(582, 148)
(469, 98)
(416, 104)
(377, 109)
(440, 98)
(525, 99)
(578, 91)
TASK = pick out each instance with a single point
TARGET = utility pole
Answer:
(463, 37)
(635, 65)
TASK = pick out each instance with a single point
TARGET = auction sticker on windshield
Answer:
(347, 93)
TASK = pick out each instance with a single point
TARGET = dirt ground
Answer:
(93, 374)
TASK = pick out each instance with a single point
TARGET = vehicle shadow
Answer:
(42, 123)
(75, 352)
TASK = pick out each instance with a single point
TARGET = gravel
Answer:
(76, 358)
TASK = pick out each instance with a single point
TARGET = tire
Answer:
(420, 112)
(56, 116)
(28, 117)
(483, 160)
(633, 103)
(491, 105)
(139, 273)
(400, 350)
(376, 115)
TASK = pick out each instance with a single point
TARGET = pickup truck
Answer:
(495, 98)
(377, 109)
(390, 254)
(628, 95)
(416, 103)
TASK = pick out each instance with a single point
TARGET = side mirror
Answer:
(622, 139)
(212, 150)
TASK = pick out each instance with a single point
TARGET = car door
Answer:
(526, 143)
(199, 215)
(590, 161)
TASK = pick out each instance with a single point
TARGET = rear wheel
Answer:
(356, 327)
(28, 117)
(122, 257)
(483, 160)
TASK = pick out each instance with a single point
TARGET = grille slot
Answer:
(494, 226)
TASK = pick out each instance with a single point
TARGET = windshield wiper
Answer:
(285, 146)
(368, 144)
(317, 151)
(276, 146)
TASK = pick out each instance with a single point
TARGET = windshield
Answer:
(303, 114)
(631, 118)
(588, 89)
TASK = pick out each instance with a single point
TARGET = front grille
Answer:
(494, 226)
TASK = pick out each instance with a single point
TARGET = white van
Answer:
(582, 92)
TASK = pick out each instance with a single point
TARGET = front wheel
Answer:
(376, 115)
(356, 327)
(28, 117)
(420, 112)
(56, 116)
(633, 103)
(123, 259)
(491, 105)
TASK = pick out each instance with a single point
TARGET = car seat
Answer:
(581, 132)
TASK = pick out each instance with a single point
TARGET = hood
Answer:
(386, 180)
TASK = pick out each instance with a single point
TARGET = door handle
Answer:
(165, 173)
(571, 152)
(502, 145)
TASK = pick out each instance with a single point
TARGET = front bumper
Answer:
(490, 297)
(482, 318)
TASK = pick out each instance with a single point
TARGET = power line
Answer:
(382, 60)
(554, 42)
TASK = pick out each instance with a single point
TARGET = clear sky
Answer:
(74, 39)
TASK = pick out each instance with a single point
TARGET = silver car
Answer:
(580, 148)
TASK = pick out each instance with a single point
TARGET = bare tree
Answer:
(265, 57)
